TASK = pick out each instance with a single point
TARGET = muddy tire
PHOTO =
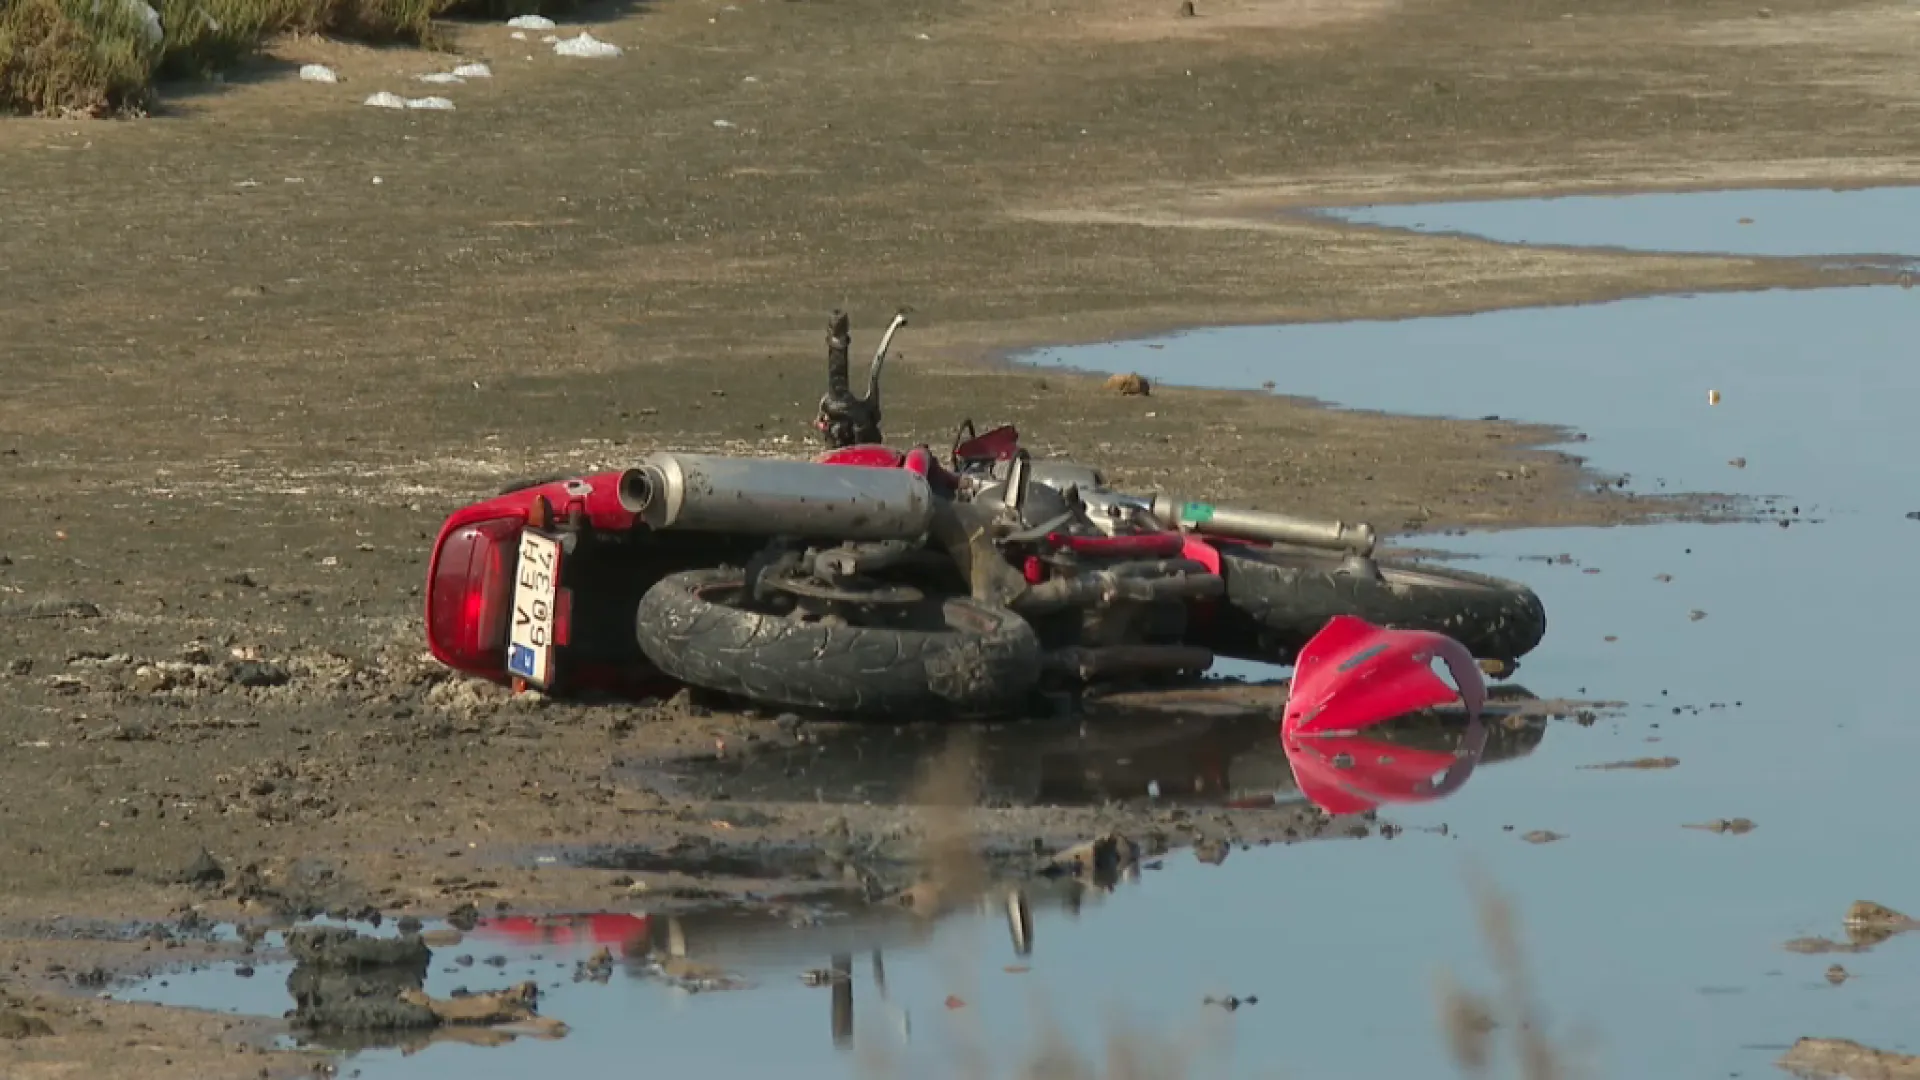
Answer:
(958, 658)
(1290, 593)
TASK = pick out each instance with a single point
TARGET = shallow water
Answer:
(1784, 704)
(1870, 222)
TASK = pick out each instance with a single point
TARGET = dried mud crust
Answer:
(1290, 594)
(983, 660)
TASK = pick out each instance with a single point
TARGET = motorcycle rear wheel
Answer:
(1289, 594)
(942, 658)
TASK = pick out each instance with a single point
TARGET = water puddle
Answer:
(1868, 224)
(1764, 748)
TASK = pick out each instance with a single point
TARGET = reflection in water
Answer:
(1202, 748)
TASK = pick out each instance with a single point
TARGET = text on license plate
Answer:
(535, 589)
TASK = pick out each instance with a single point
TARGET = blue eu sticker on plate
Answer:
(520, 661)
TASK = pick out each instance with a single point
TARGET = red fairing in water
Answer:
(1354, 674)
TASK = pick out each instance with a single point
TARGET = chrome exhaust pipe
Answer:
(777, 497)
(1232, 523)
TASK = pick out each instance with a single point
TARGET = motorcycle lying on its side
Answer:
(874, 580)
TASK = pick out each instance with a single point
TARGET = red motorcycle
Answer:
(874, 580)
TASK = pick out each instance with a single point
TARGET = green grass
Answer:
(65, 57)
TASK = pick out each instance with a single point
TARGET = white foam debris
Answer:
(474, 71)
(517, 36)
(586, 45)
(530, 22)
(318, 73)
(444, 78)
(724, 124)
(438, 103)
(384, 100)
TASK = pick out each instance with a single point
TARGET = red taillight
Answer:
(470, 593)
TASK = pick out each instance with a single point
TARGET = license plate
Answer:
(535, 594)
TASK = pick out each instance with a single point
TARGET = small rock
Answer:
(1738, 463)
(1867, 915)
(1132, 385)
(1836, 974)
(244, 971)
(1542, 836)
(1211, 851)
(1696, 615)
(465, 917)
(258, 673)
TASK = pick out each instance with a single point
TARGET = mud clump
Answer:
(342, 949)
(1736, 826)
(204, 870)
(1101, 859)
(1844, 1057)
(15, 1025)
(1638, 763)
(343, 982)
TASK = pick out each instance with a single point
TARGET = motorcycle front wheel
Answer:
(939, 658)
(1289, 594)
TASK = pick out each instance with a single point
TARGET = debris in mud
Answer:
(1845, 1058)
(1211, 850)
(1230, 1003)
(1638, 763)
(1100, 859)
(1131, 385)
(1542, 836)
(1736, 826)
(203, 870)
(514, 1005)
(14, 1025)
(596, 968)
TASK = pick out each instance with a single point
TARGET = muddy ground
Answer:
(259, 345)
